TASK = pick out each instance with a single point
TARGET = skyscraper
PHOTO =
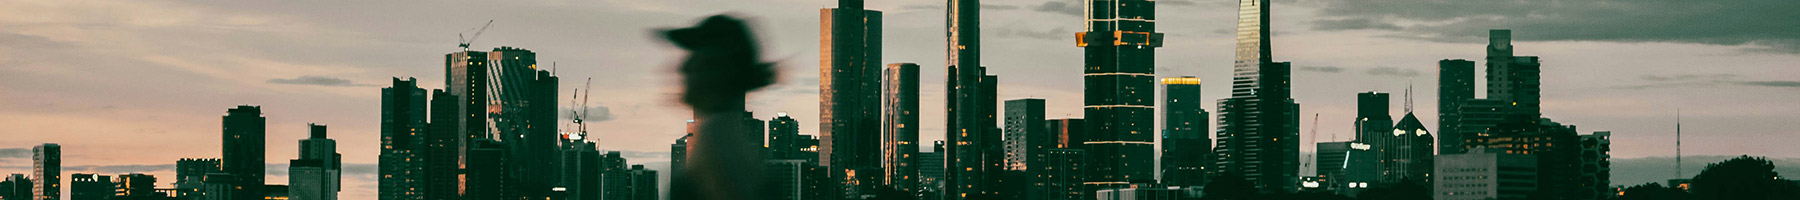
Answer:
(1185, 145)
(243, 150)
(1596, 173)
(784, 136)
(317, 174)
(403, 141)
(1409, 153)
(850, 95)
(753, 132)
(16, 186)
(1027, 136)
(1028, 144)
(443, 148)
(502, 96)
(90, 187)
(46, 168)
(643, 183)
(1120, 78)
(1374, 126)
(900, 125)
(678, 165)
(1063, 175)
(1456, 85)
(1513, 80)
(487, 174)
(1258, 136)
(973, 153)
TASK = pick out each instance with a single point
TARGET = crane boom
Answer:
(465, 42)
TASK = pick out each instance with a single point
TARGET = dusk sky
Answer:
(136, 85)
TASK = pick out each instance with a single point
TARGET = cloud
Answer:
(1761, 24)
(1705, 80)
(15, 153)
(595, 113)
(1057, 33)
(1177, 3)
(1352, 24)
(1325, 69)
(1392, 71)
(319, 81)
(999, 7)
(1060, 7)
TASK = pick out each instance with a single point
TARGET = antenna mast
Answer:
(1409, 99)
(1678, 173)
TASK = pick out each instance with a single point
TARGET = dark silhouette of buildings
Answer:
(190, 174)
(900, 126)
(1028, 143)
(403, 141)
(1061, 174)
(784, 137)
(501, 96)
(90, 187)
(1186, 149)
(643, 183)
(1258, 134)
(244, 140)
(1119, 92)
(850, 91)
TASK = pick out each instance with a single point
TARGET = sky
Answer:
(132, 86)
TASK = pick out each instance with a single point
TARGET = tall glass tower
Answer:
(1258, 137)
(1120, 78)
(1185, 146)
(973, 154)
(850, 95)
(243, 150)
(900, 126)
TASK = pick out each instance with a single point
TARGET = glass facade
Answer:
(1119, 76)
(1258, 135)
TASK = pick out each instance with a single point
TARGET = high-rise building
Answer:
(244, 140)
(678, 155)
(1512, 80)
(318, 172)
(90, 187)
(1120, 77)
(190, 174)
(443, 148)
(403, 141)
(219, 186)
(1373, 126)
(784, 137)
(643, 183)
(1258, 133)
(1408, 154)
(487, 176)
(136, 186)
(46, 168)
(1027, 148)
(1027, 137)
(900, 125)
(580, 170)
(753, 132)
(502, 96)
(615, 176)
(1347, 166)
(1484, 174)
(1596, 170)
(1185, 145)
(973, 153)
(850, 94)
(1456, 85)
(1556, 147)
(1061, 177)
(785, 179)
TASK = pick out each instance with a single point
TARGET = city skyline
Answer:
(637, 120)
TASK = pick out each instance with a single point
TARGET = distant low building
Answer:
(1140, 194)
(1484, 174)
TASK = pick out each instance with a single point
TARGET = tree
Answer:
(1742, 178)
(1653, 191)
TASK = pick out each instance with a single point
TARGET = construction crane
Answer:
(1315, 138)
(464, 43)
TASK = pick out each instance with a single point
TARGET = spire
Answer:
(1409, 98)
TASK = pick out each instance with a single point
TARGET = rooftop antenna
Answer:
(464, 43)
(1409, 98)
(1678, 172)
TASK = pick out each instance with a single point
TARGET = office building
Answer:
(931, 170)
(850, 91)
(1513, 80)
(1027, 138)
(580, 169)
(1483, 174)
(317, 175)
(16, 186)
(136, 186)
(784, 136)
(1185, 145)
(1347, 166)
(1373, 124)
(1258, 133)
(403, 141)
(1456, 85)
(900, 125)
(784, 179)
(443, 148)
(1556, 147)
(487, 177)
(1408, 155)
(1061, 176)
(974, 155)
(678, 166)
(643, 184)
(190, 174)
(615, 176)
(1120, 76)
(1140, 194)
(753, 132)
(90, 187)
(244, 140)
(1596, 170)
(219, 186)
(46, 168)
